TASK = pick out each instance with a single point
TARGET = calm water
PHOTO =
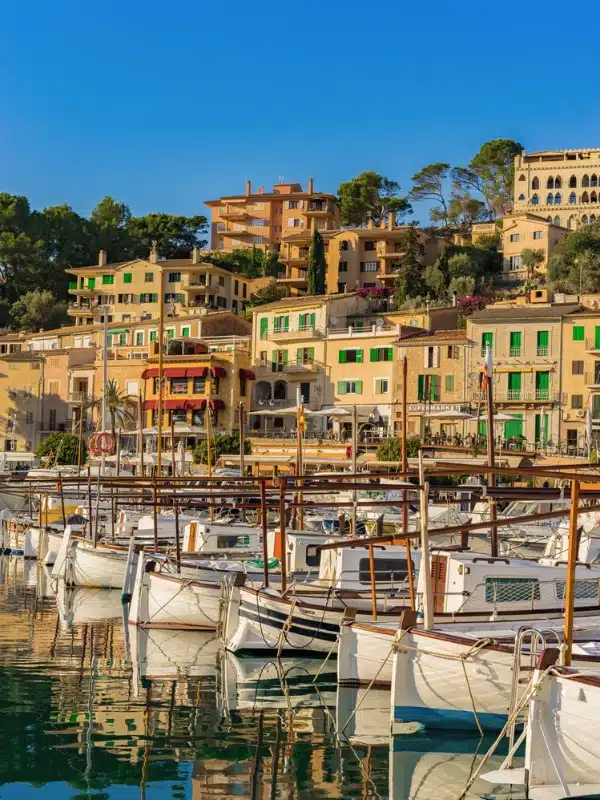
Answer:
(92, 709)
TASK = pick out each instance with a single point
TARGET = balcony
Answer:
(81, 397)
(386, 251)
(77, 309)
(592, 346)
(515, 351)
(542, 352)
(291, 334)
(234, 213)
(298, 260)
(592, 379)
(316, 209)
(522, 396)
(239, 233)
(265, 368)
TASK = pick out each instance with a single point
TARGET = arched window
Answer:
(585, 198)
(521, 197)
(594, 180)
(558, 182)
(550, 199)
(535, 183)
(549, 219)
(585, 181)
(572, 198)
(557, 220)
(521, 177)
(262, 392)
(557, 199)
(593, 197)
(592, 218)
(550, 183)
(571, 222)
(572, 182)
(280, 390)
(584, 220)
(535, 200)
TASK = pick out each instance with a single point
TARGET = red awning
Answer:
(218, 372)
(247, 373)
(197, 405)
(174, 405)
(150, 373)
(150, 405)
(175, 372)
(197, 372)
(217, 404)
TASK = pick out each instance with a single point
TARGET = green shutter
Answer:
(311, 355)
(541, 428)
(597, 338)
(542, 343)
(139, 338)
(514, 385)
(155, 298)
(284, 357)
(313, 321)
(123, 338)
(487, 339)
(359, 356)
(390, 354)
(286, 323)
(432, 387)
(264, 327)
(185, 331)
(342, 357)
(108, 340)
(515, 343)
(514, 428)
(542, 385)
(153, 336)
(578, 333)
(299, 359)
(482, 429)
(373, 355)
(91, 283)
(127, 277)
(358, 387)
(421, 387)
(341, 387)
(449, 383)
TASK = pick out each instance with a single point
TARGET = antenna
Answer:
(281, 179)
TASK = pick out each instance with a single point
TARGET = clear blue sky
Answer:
(164, 104)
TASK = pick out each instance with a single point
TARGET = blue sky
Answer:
(163, 105)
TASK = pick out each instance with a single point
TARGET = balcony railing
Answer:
(301, 331)
(515, 351)
(543, 351)
(80, 397)
(521, 396)
(592, 378)
(591, 344)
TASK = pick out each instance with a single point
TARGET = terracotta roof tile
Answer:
(436, 337)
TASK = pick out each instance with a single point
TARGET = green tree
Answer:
(490, 173)
(461, 264)
(463, 285)
(61, 448)
(371, 196)
(110, 219)
(221, 444)
(391, 449)
(175, 235)
(575, 263)
(436, 280)
(429, 184)
(409, 281)
(38, 309)
(531, 260)
(120, 406)
(249, 261)
(316, 265)
(489, 241)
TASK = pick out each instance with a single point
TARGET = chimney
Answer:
(390, 220)
(154, 252)
(248, 188)
(310, 189)
(370, 223)
(102, 258)
(196, 255)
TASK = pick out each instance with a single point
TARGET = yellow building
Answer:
(560, 185)
(581, 378)
(356, 257)
(132, 290)
(21, 399)
(265, 219)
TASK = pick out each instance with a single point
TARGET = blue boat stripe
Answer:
(269, 612)
(278, 625)
(449, 718)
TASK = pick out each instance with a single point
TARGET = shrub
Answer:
(63, 446)
(221, 444)
(391, 449)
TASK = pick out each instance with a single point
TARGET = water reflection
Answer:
(92, 708)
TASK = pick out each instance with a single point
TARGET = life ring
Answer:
(101, 443)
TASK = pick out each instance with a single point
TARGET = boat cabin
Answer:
(349, 568)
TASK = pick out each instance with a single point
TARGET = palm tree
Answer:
(119, 405)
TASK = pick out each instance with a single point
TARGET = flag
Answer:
(487, 363)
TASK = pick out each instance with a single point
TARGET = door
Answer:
(541, 428)
(542, 385)
(514, 428)
(438, 581)
(597, 338)
(514, 385)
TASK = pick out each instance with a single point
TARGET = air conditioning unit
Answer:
(581, 413)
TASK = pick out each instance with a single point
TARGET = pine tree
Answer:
(316, 265)
(408, 268)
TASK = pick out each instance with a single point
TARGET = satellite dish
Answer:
(379, 323)
(332, 320)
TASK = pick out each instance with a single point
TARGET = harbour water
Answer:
(93, 708)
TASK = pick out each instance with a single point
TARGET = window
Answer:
(174, 297)
(313, 555)
(243, 386)
(369, 266)
(514, 385)
(584, 590)
(294, 222)
(179, 385)
(585, 181)
(521, 197)
(344, 244)
(305, 392)
(382, 354)
(432, 357)
(127, 277)
(585, 198)
(542, 385)
(244, 290)
(487, 340)
(370, 244)
(343, 266)
(543, 338)
(108, 279)
(538, 234)
(572, 182)
(584, 220)
(279, 360)
(557, 199)
(557, 220)
(428, 387)
(515, 237)
(305, 355)
(306, 322)
(91, 283)
(522, 177)
(449, 383)
(139, 337)
(199, 385)
(292, 204)
(576, 401)
(148, 298)
(281, 324)
(389, 570)
(170, 333)
(572, 198)
(221, 280)
(535, 200)
(185, 331)
(153, 336)
(381, 385)
(511, 590)
(236, 287)
(174, 277)
(550, 183)
(53, 387)
(263, 327)
(514, 262)
(350, 357)
(148, 277)
(515, 343)
(578, 333)
(453, 351)
(349, 387)
(549, 199)
(577, 367)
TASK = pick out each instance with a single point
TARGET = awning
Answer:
(217, 404)
(150, 405)
(175, 372)
(116, 330)
(174, 405)
(197, 372)
(152, 372)
(218, 372)
(197, 405)
(247, 373)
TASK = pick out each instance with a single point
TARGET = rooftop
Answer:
(437, 337)
(526, 312)
(299, 302)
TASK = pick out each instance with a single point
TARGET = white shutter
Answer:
(425, 357)
(436, 357)
(300, 203)
(291, 222)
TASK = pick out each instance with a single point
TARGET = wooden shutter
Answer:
(390, 353)
(299, 356)
(286, 323)
(341, 387)
(421, 387)
(284, 358)
(311, 355)
(313, 320)
(359, 385)
(373, 355)
(264, 327)
(342, 357)
(436, 357)
(359, 356)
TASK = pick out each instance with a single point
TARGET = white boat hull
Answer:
(103, 569)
